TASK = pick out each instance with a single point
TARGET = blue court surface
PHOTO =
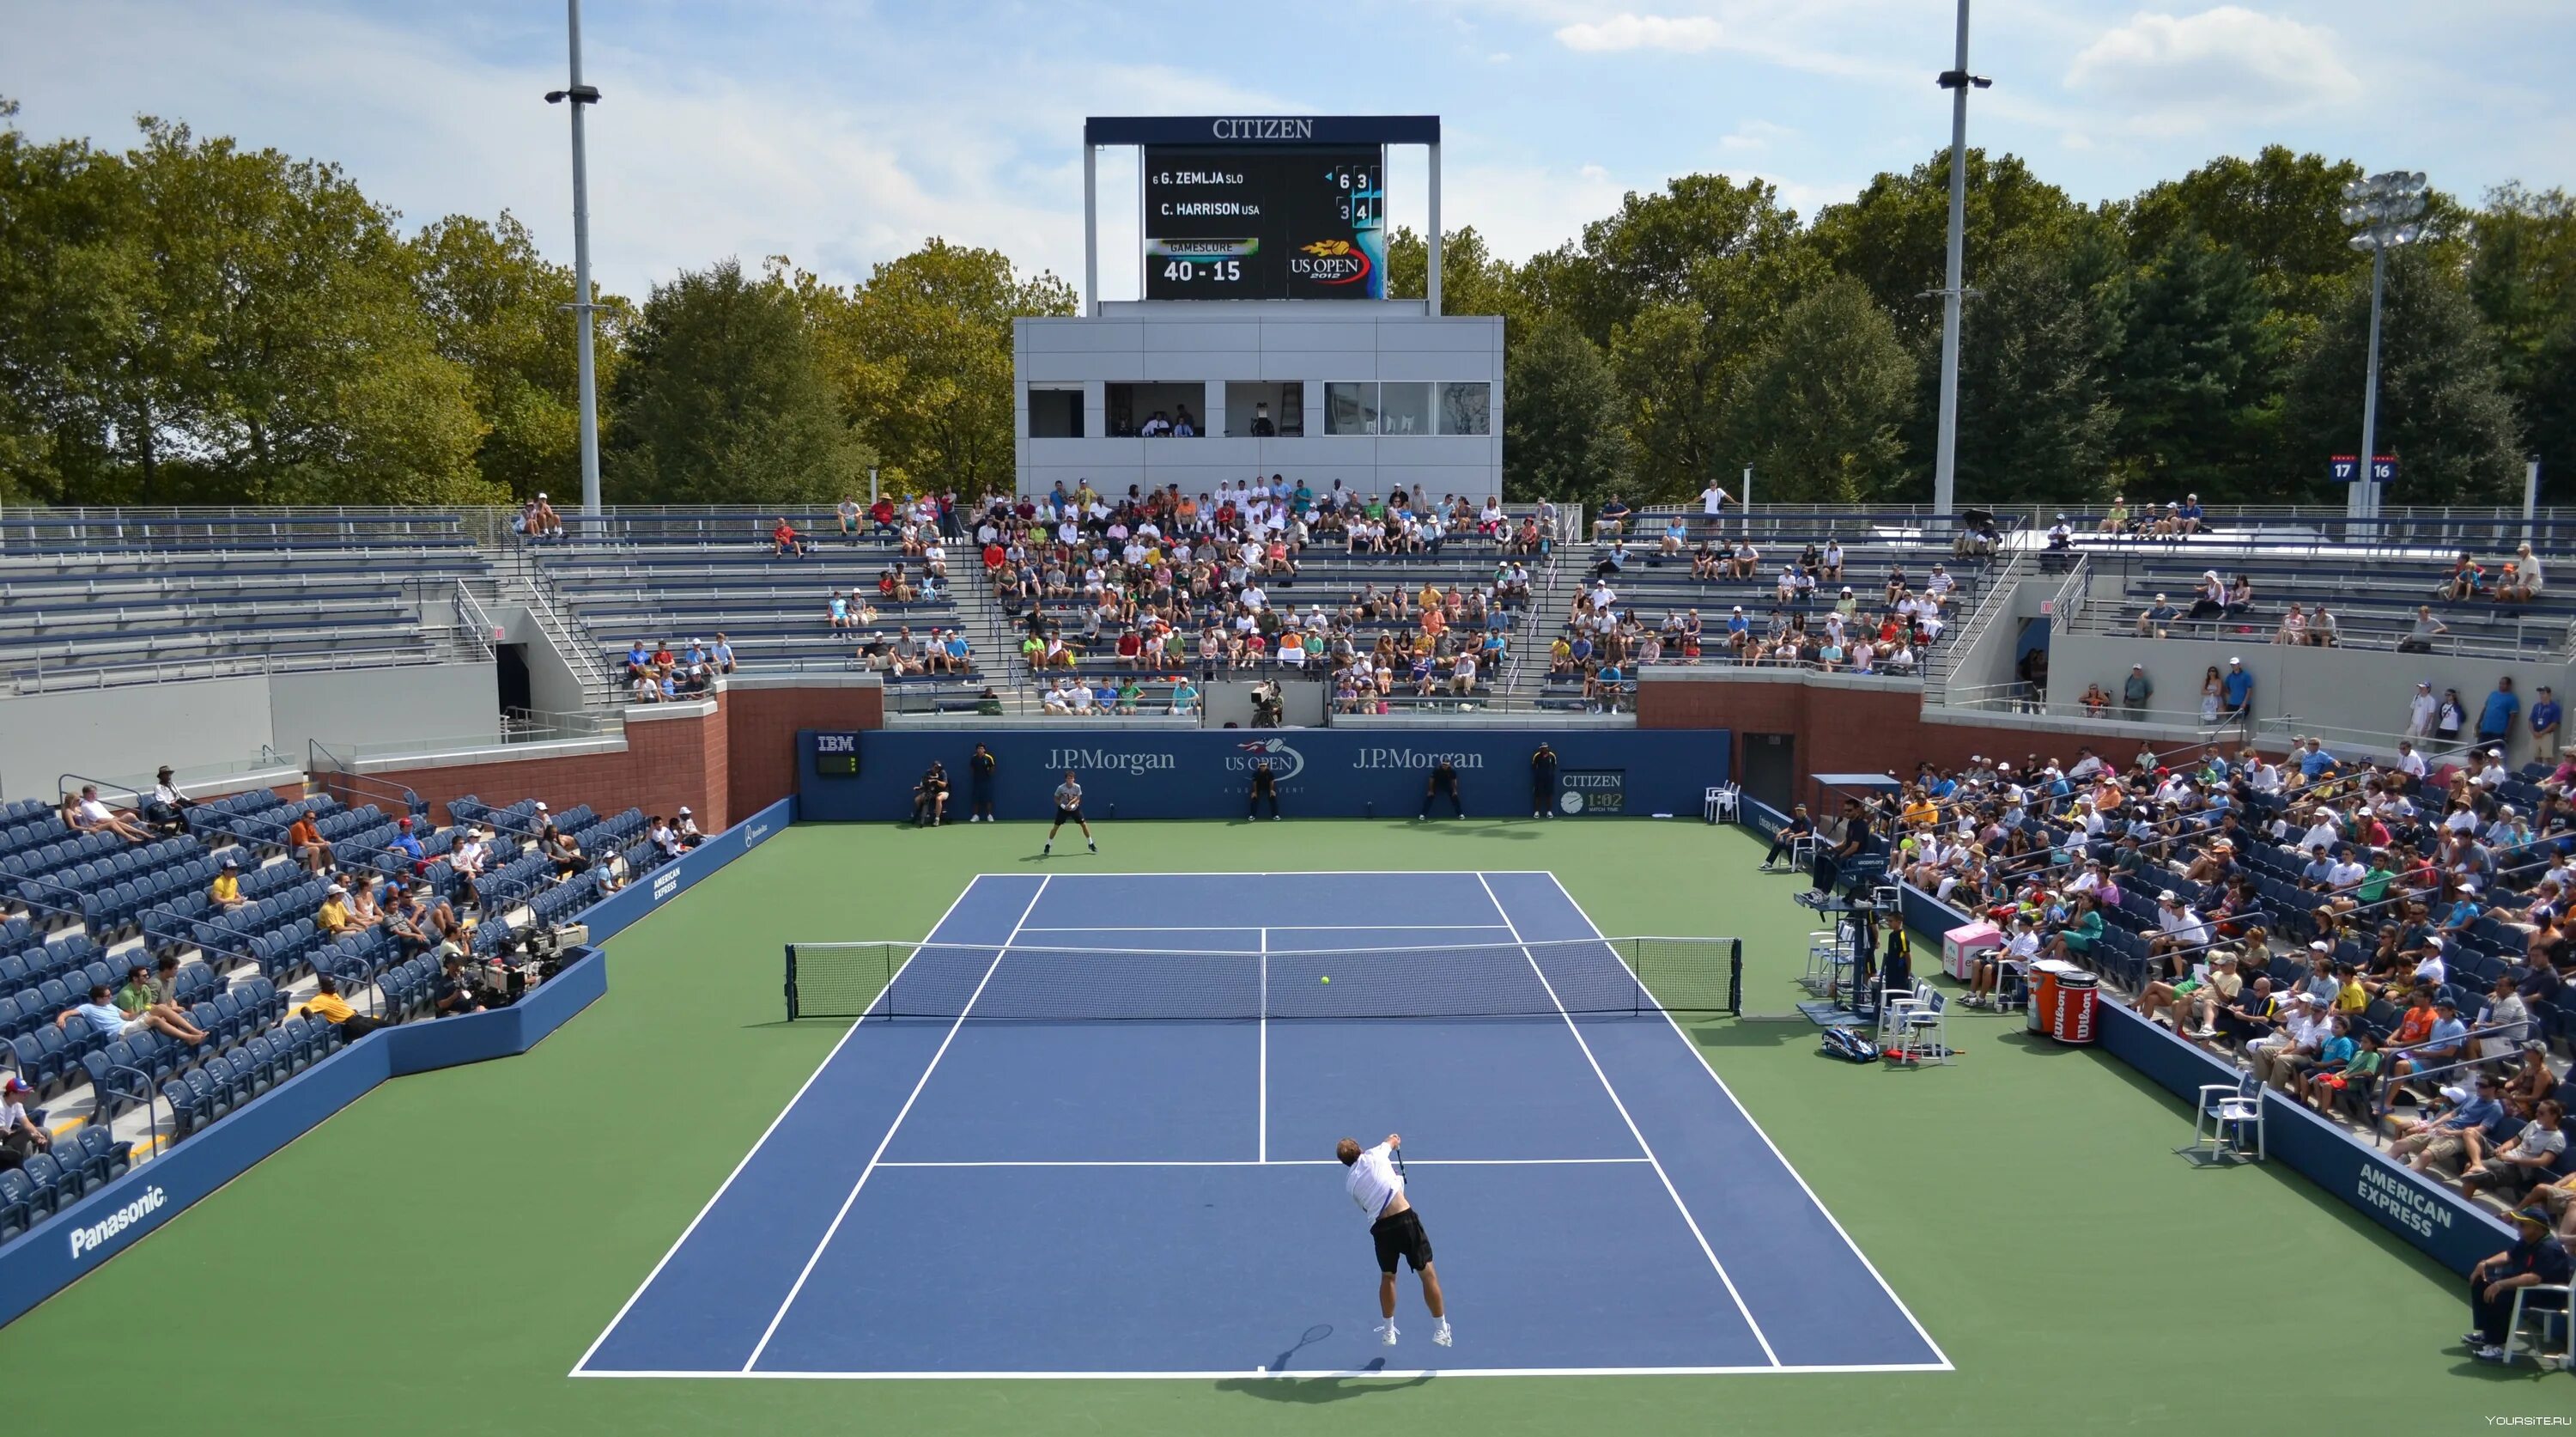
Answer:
(1032, 1199)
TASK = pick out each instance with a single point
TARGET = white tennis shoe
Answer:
(1440, 1335)
(1386, 1333)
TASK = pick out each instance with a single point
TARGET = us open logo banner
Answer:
(1598, 792)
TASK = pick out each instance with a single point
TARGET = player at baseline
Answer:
(1395, 1227)
(1068, 808)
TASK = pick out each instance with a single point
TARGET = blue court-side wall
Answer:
(65, 1247)
(1324, 773)
(2449, 1228)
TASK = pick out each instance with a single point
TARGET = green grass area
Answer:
(436, 1258)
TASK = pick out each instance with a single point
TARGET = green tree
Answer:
(496, 309)
(1472, 280)
(2522, 275)
(2196, 375)
(1662, 249)
(1817, 412)
(2034, 424)
(2443, 410)
(1894, 237)
(921, 358)
(1564, 434)
(2549, 411)
(722, 399)
(2282, 211)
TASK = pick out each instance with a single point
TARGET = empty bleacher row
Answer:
(88, 913)
(86, 602)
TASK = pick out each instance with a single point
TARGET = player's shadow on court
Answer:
(1309, 1390)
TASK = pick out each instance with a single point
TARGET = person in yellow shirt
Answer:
(226, 894)
(1429, 599)
(327, 1005)
(2350, 1000)
(334, 918)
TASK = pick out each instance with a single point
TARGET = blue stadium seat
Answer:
(111, 1158)
(17, 1204)
(46, 1174)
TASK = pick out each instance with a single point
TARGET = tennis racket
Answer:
(1397, 1152)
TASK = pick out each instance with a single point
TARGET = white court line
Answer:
(1800, 1178)
(683, 1239)
(1273, 928)
(1247, 1163)
(891, 1129)
(1263, 1148)
(1633, 1130)
(1358, 1373)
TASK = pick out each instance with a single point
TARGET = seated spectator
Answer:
(563, 851)
(155, 1000)
(413, 857)
(85, 813)
(785, 542)
(20, 1136)
(304, 840)
(366, 910)
(407, 922)
(168, 810)
(103, 1021)
(685, 830)
(327, 1005)
(2442, 1135)
(930, 797)
(333, 920)
(225, 893)
(2525, 1162)
(2157, 621)
(720, 657)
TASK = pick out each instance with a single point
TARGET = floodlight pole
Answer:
(582, 96)
(1945, 462)
(2364, 502)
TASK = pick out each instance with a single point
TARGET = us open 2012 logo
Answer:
(1332, 261)
(1285, 762)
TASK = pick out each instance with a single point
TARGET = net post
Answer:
(791, 982)
(1735, 977)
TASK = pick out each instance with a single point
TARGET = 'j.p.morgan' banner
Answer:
(1319, 772)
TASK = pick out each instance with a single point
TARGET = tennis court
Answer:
(1005, 1186)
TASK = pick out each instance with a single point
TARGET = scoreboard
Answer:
(1266, 222)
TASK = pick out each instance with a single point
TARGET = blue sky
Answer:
(843, 133)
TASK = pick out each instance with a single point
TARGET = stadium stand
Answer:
(88, 601)
(85, 911)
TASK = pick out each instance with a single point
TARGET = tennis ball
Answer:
(1328, 980)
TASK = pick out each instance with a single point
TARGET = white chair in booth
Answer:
(1830, 954)
(1725, 800)
(2228, 1122)
(2556, 1315)
(1895, 1007)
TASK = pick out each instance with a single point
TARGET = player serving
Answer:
(1378, 1188)
(1068, 809)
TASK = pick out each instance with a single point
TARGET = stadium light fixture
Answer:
(582, 97)
(2386, 211)
(1958, 81)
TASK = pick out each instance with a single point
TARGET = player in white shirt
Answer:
(1395, 1227)
(1068, 809)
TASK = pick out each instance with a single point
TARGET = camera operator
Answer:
(457, 992)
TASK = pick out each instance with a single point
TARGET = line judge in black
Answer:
(1265, 789)
(1443, 780)
(1543, 782)
(979, 776)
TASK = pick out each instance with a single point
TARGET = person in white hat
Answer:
(333, 919)
(686, 830)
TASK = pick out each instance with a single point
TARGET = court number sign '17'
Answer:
(1598, 792)
(2343, 468)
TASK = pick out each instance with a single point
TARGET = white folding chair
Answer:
(1923, 1035)
(1895, 1009)
(2557, 1316)
(1829, 958)
(1802, 851)
(1722, 803)
(2225, 1116)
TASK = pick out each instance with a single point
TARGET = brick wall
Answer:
(725, 764)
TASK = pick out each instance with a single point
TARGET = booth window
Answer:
(1055, 413)
(1350, 408)
(1281, 401)
(1133, 406)
(1404, 408)
(1466, 408)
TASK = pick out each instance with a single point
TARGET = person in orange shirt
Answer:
(1434, 621)
(305, 841)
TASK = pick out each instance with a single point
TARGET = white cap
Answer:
(541, 805)
(684, 810)
(2320, 946)
(2168, 896)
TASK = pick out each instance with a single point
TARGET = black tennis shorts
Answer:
(1068, 815)
(1400, 1235)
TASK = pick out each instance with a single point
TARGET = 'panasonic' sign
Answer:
(1248, 128)
(91, 1238)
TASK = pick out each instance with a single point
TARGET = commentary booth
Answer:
(1265, 331)
(856, 776)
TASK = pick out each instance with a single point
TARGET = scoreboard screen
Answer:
(836, 755)
(1267, 222)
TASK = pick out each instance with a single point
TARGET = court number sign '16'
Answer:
(2344, 468)
(1599, 792)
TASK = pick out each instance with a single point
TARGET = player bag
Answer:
(1850, 1045)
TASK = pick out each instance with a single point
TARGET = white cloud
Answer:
(1754, 135)
(1687, 34)
(2173, 74)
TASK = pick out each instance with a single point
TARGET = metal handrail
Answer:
(1995, 594)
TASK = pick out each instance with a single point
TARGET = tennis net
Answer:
(1483, 980)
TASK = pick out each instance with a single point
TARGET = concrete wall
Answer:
(2353, 690)
(1212, 342)
(118, 733)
